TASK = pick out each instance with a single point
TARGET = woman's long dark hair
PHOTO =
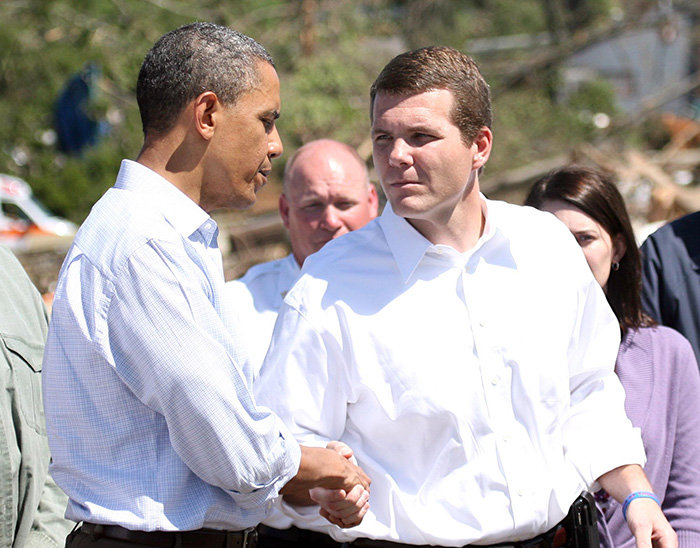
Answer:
(597, 196)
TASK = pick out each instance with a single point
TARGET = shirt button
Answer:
(495, 379)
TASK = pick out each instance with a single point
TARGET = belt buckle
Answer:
(240, 539)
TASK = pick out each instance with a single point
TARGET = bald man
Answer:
(326, 193)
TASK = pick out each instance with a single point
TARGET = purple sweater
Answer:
(658, 370)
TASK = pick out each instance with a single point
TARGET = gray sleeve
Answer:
(50, 528)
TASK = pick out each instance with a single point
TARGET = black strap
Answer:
(171, 539)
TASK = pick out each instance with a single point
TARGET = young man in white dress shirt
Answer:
(326, 193)
(459, 346)
(154, 433)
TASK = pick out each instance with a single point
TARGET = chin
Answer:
(240, 201)
(404, 208)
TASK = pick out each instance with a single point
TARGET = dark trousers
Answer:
(301, 538)
(113, 536)
(293, 538)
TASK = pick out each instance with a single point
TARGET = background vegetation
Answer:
(327, 53)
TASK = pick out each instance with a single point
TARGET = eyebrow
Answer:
(420, 128)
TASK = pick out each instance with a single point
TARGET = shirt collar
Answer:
(409, 246)
(406, 244)
(180, 211)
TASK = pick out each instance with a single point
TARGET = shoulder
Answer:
(9, 262)
(344, 266)
(531, 231)
(686, 228)
(21, 306)
(667, 337)
(538, 240)
(668, 346)
(258, 276)
(262, 270)
(525, 222)
(688, 225)
(351, 251)
(117, 226)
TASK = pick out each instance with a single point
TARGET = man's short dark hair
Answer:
(190, 60)
(434, 68)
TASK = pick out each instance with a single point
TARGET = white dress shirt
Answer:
(256, 298)
(476, 389)
(151, 421)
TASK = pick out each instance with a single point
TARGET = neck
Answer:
(460, 237)
(459, 226)
(166, 158)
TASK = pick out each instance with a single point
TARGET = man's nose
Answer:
(400, 153)
(274, 145)
(331, 219)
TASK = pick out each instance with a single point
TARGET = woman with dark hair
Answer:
(655, 364)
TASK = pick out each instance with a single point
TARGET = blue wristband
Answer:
(638, 495)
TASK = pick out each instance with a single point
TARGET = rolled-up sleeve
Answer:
(171, 348)
(598, 436)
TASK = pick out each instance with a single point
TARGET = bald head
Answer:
(326, 194)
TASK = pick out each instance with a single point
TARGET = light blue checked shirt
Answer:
(151, 421)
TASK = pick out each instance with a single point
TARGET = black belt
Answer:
(554, 538)
(205, 538)
(300, 537)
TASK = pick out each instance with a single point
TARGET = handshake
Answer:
(330, 478)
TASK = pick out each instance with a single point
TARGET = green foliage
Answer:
(327, 53)
(515, 17)
(529, 126)
(594, 96)
(325, 95)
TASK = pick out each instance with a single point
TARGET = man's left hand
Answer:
(649, 525)
(341, 508)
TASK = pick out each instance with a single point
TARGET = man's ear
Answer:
(482, 147)
(205, 109)
(283, 205)
(373, 200)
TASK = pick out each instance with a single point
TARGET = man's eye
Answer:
(423, 136)
(381, 137)
(344, 205)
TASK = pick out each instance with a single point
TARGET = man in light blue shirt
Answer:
(154, 433)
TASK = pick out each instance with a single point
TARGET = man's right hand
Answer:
(341, 508)
(326, 468)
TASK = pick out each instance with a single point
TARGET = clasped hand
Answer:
(340, 507)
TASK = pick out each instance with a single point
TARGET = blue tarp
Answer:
(75, 128)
